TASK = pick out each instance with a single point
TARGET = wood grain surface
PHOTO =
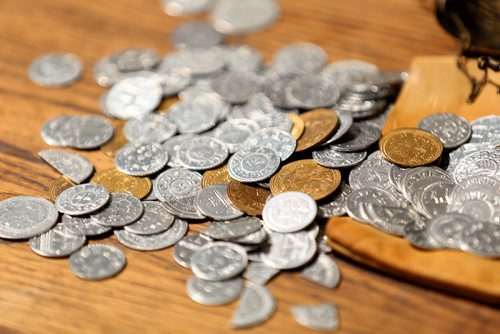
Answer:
(39, 295)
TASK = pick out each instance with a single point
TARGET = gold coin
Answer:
(410, 147)
(249, 198)
(298, 125)
(116, 142)
(58, 186)
(116, 182)
(218, 175)
(306, 176)
(319, 126)
(167, 103)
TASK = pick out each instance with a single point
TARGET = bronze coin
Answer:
(319, 126)
(117, 141)
(247, 197)
(116, 182)
(218, 175)
(298, 125)
(58, 186)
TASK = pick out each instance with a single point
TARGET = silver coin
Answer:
(177, 188)
(53, 131)
(484, 162)
(233, 17)
(416, 174)
(317, 317)
(482, 239)
(219, 261)
(290, 250)
(122, 209)
(97, 262)
(256, 238)
(171, 146)
(56, 242)
(323, 271)
(275, 119)
(345, 119)
(357, 202)
(186, 7)
(196, 115)
(243, 58)
(173, 81)
(202, 153)
(234, 132)
(196, 35)
(82, 199)
(213, 202)
(74, 166)
(300, 58)
(461, 152)
(372, 173)
(236, 87)
(106, 73)
(156, 241)
(84, 225)
(451, 129)
(447, 229)
(486, 130)
(259, 273)
(311, 91)
(396, 175)
(197, 62)
(23, 217)
(289, 211)
(390, 219)
(279, 140)
(187, 246)
(417, 232)
(88, 132)
(130, 60)
(334, 205)
(360, 136)
(253, 164)
(434, 198)
(346, 72)
(328, 157)
(55, 70)
(257, 305)
(214, 292)
(141, 159)
(155, 219)
(233, 229)
(150, 128)
(133, 97)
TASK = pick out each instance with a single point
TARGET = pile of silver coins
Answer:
(234, 109)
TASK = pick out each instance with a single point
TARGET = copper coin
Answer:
(410, 147)
(319, 126)
(298, 125)
(247, 197)
(218, 175)
(116, 182)
(306, 176)
(58, 186)
(167, 103)
(117, 141)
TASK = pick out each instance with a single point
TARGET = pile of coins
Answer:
(264, 152)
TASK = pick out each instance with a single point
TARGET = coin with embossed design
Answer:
(319, 125)
(116, 182)
(218, 175)
(248, 197)
(58, 186)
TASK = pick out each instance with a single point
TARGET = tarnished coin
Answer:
(155, 219)
(202, 153)
(323, 271)
(236, 87)
(82, 199)
(58, 186)
(233, 17)
(172, 147)
(482, 238)
(84, 225)
(300, 58)
(317, 317)
(253, 164)
(56, 242)
(311, 91)
(23, 217)
(451, 129)
(319, 125)
(141, 159)
(328, 157)
(257, 305)
(132, 59)
(117, 182)
(177, 188)
(185, 7)
(233, 229)
(214, 292)
(334, 205)
(410, 147)
(151, 128)
(196, 35)
(289, 211)
(96, 262)
(279, 140)
(359, 137)
(447, 229)
(153, 241)
(235, 132)
(306, 176)
(74, 166)
(213, 201)
(219, 261)
(486, 130)
(298, 125)
(187, 246)
(122, 209)
(218, 175)
(55, 70)
(290, 250)
(247, 197)
(259, 273)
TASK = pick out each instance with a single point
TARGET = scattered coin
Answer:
(185, 7)
(236, 87)
(117, 182)
(213, 201)
(247, 197)
(155, 219)
(259, 273)
(290, 250)
(141, 159)
(298, 125)
(253, 164)
(196, 35)
(122, 209)
(202, 153)
(257, 305)
(328, 157)
(486, 130)
(233, 229)
(97, 262)
(219, 261)
(74, 166)
(274, 138)
(300, 58)
(58, 186)
(453, 130)
(150, 128)
(55, 70)
(214, 292)
(318, 317)
(235, 132)
(289, 211)
(188, 246)
(56, 242)
(359, 137)
(218, 175)
(323, 271)
(132, 59)
(82, 199)
(319, 125)
(84, 225)
(334, 205)
(116, 142)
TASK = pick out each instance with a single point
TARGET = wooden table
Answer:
(41, 295)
